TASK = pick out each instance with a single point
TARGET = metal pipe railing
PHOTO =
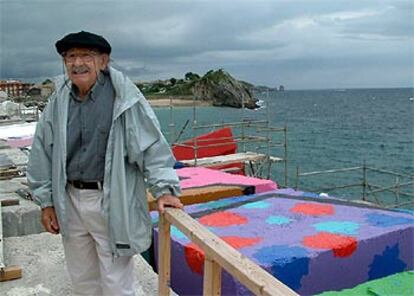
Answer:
(368, 189)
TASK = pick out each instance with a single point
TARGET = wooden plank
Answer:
(10, 202)
(206, 194)
(164, 257)
(212, 278)
(9, 173)
(246, 271)
(10, 273)
(203, 194)
(228, 159)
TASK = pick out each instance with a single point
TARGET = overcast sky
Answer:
(300, 44)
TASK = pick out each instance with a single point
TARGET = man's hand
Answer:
(49, 220)
(168, 200)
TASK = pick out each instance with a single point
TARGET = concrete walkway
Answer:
(44, 269)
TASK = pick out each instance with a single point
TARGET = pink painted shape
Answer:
(20, 142)
(199, 177)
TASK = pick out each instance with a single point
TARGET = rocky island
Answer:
(217, 88)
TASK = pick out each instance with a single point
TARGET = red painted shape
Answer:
(313, 209)
(218, 142)
(223, 219)
(194, 255)
(341, 245)
(238, 242)
(215, 143)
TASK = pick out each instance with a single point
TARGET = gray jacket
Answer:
(137, 157)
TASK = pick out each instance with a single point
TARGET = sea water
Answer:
(327, 129)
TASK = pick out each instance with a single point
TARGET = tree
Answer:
(47, 81)
(190, 76)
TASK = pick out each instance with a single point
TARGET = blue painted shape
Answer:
(212, 229)
(176, 233)
(256, 205)
(310, 194)
(278, 220)
(154, 219)
(341, 227)
(406, 211)
(387, 263)
(383, 220)
(288, 264)
(279, 254)
(214, 204)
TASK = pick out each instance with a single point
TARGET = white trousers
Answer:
(92, 268)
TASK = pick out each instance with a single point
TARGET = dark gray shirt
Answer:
(89, 122)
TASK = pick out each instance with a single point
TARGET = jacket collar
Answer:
(126, 93)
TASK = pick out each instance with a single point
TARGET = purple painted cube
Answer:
(311, 246)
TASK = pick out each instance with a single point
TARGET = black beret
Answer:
(83, 40)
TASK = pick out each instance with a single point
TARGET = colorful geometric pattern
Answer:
(311, 246)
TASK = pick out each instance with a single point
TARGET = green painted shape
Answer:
(401, 284)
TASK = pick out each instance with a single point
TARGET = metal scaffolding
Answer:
(255, 139)
(400, 193)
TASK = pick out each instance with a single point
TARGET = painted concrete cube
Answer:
(201, 177)
(311, 246)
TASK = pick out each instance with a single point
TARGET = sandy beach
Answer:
(176, 101)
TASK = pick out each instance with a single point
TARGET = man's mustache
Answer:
(80, 69)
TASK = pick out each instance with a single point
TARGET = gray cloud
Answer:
(302, 44)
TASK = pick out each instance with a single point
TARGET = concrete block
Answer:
(22, 219)
(311, 246)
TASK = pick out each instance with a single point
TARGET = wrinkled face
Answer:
(83, 66)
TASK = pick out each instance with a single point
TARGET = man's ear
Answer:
(104, 61)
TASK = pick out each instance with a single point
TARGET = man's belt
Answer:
(97, 185)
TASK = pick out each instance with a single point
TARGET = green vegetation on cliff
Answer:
(170, 87)
(218, 87)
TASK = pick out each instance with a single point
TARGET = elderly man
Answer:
(97, 147)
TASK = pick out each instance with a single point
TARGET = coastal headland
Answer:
(215, 88)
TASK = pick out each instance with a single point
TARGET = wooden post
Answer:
(257, 280)
(164, 257)
(212, 278)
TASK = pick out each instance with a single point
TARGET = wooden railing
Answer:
(205, 194)
(218, 256)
